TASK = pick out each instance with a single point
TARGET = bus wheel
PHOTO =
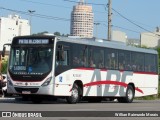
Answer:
(75, 95)
(129, 95)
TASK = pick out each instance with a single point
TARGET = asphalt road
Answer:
(11, 104)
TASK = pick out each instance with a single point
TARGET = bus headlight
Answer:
(47, 81)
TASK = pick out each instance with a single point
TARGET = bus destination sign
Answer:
(33, 41)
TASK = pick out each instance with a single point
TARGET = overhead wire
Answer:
(48, 4)
(62, 6)
(133, 22)
(125, 29)
(36, 15)
(87, 3)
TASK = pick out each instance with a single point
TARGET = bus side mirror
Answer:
(60, 53)
(4, 51)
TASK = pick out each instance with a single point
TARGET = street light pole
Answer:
(96, 29)
(31, 12)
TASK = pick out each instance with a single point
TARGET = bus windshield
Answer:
(30, 60)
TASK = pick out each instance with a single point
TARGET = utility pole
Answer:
(109, 19)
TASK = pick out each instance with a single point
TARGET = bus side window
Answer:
(62, 59)
(111, 60)
(79, 55)
(150, 63)
(137, 60)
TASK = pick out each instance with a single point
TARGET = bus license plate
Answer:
(26, 92)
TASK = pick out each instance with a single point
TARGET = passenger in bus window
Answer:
(138, 68)
(92, 63)
(112, 64)
(128, 67)
(84, 62)
(121, 66)
(101, 65)
(146, 68)
(134, 67)
(76, 61)
(149, 68)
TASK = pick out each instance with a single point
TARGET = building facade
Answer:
(82, 22)
(119, 36)
(12, 26)
(151, 40)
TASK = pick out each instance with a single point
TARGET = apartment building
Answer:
(82, 22)
(12, 26)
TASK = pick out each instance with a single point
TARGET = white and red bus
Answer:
(76, 69)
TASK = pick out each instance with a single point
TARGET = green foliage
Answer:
(158, 50)
(144, 46)
(4, 67)
(152, 97)
(40, 33)
(45, 32)
(57, 33)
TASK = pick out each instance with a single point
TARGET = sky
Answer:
(130, 16)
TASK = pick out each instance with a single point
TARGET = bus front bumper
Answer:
(41, 90)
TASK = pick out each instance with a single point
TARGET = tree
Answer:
(4, 67)
(40, 33)
(158, 50)
(57, 33)
(65, 35)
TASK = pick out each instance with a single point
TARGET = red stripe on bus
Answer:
(85, 68)
(151, 73)
(110, 82)
(139, 90)
(89, 69)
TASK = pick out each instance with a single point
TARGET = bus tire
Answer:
(129, 95)
(75, 95)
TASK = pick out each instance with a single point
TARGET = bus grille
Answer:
(32, 90)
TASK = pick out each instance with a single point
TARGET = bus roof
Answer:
(107, 44)
(96, 42)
